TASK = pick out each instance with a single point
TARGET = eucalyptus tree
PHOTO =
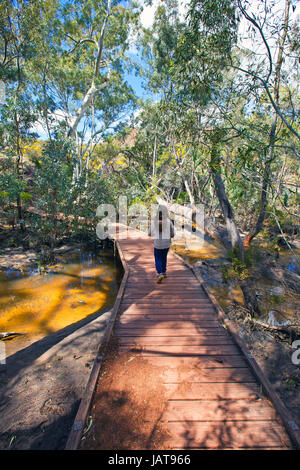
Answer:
(189, 67)
(264, 23)
(274, 97)
(163, 153)
(20, 34)
(171, 126)
(205, 53)
(80, 77)
(261, 72)
(63, 73)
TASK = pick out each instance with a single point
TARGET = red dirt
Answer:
(129, 392)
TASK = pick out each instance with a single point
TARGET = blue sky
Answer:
(137, 84)
(133, 79)
(147, 17)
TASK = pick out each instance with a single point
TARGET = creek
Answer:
(277, 303)
(36, 301)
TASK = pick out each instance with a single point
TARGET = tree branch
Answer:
(80, 42)
(256, 25)
(101, 40)
(276, 108)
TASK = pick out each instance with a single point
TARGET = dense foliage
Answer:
(222, 127)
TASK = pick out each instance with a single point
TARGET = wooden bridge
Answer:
(216, 395)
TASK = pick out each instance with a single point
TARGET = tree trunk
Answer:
(188, 190)
(88, 98)
(154, 157)
(272, 136)
(19, 163)
(185, 181)
(226, 208)
(249, 297)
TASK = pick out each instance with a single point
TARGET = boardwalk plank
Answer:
(200, 363)
(196, 375)
(218, 410)
(212, 391)
(190, 311)
(198, 340)
(147, 320)
(163, 290)
(167, 297)
(156, 330)
(212, 398)
(229, 434)
(149, 303)
(185, 350)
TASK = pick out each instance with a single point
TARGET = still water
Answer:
(276, 303)
(35, 304)
(208, 248)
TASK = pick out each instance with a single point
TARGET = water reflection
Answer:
(209, 249)
(40, 301)
(276, 303)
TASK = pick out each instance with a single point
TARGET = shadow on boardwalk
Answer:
(179, 390)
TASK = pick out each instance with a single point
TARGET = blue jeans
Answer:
(160, 256)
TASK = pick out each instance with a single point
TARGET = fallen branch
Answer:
(287, 332)
(8, 336)
(282, 332)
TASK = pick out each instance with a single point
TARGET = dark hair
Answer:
(161, 212)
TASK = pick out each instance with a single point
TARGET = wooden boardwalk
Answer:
(213, 392)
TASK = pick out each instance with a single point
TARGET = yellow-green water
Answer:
(208, 249)
(38, 304)
(282, 302)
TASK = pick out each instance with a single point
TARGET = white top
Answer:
(161, 240)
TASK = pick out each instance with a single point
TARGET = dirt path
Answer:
(42, 386)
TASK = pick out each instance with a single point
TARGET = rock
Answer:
(294, 265)
(296, 244)
(273, 321)
(281, 275)
(215, 262)
(78, 304)
(17, 250)
(7, 336)
(277, 290)
(243, 333)
(67, 248)
(211, 275)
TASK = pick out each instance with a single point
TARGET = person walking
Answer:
(162, 230)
